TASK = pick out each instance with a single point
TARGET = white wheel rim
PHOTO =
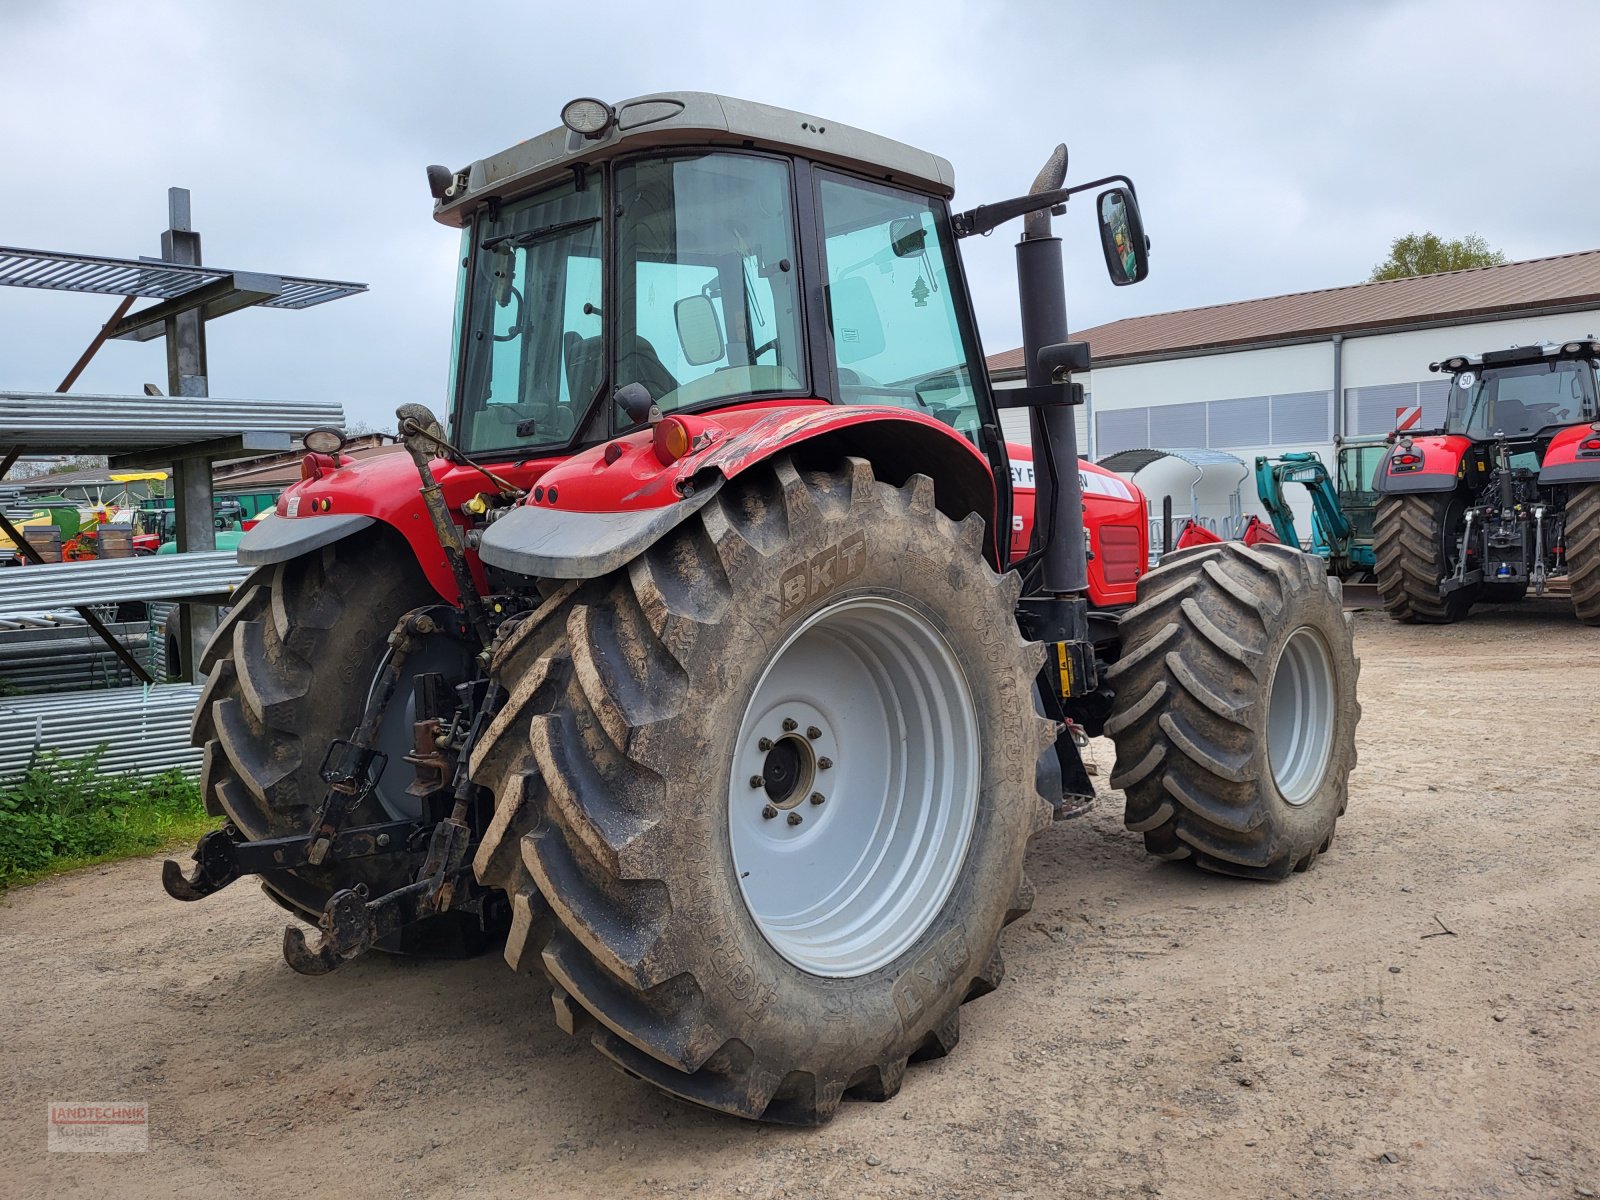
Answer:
(1300, 710)
(865, 706)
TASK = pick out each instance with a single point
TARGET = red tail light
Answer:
(1407, 460)
(313, 465)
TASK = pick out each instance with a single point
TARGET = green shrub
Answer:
(63, 812)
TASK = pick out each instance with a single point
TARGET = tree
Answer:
(1428, 254)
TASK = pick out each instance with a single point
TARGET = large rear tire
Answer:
(1236, 711)
(1583, 551)
(762, 796)
(1413, 540)
(289, 670)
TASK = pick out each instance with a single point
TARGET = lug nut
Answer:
(813, 732)
(383, 839)
(795, 818)
(817, 797)
(790, 724)
(824, 763)
(755, 781)
(764, 744)
(769, 812)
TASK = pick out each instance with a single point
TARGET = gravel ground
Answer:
(1415, 1017)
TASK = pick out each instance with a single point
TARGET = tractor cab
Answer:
(1522, 393)
(694, 253)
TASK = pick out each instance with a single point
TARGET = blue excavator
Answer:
(1341, 513)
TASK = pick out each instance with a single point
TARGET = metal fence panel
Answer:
(144, 730)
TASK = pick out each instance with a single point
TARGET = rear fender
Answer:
(605, 506)
(339, 502)
(1442, 464)
(1570, 459)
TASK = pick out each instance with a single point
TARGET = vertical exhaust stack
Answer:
(1058, 501)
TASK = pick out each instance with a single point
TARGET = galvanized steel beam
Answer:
(209, 574)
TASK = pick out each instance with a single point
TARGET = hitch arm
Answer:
(351, 923)
(223, 856)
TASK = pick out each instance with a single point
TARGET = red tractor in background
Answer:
(1504, 498)
(701, 667)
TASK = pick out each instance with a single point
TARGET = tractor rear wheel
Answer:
(289, 670)
(1414, 540)
(1235, 710)
(762, 796)
(1582, 539)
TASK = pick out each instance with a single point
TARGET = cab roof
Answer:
(1588, 347)
(692, 119)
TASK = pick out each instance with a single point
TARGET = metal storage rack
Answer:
(184, 429)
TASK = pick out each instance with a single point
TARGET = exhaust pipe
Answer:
(1058, 500)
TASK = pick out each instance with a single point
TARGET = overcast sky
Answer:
(1277, 147)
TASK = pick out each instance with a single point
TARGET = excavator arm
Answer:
(1330, 528)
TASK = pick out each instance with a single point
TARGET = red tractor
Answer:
(702, 667)
(1506, 497)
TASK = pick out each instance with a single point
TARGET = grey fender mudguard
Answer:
(278, 539)
(551, 543)
(1399, 485)
(1572, 472)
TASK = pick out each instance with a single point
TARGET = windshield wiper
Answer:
(536, 235)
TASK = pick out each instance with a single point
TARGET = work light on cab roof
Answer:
(588, 116)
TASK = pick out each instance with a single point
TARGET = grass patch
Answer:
(67, 813)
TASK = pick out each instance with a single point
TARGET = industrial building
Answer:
(1304, 371)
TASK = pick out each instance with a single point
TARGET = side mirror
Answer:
(699, 330)
(908, 238)
(1122, 236)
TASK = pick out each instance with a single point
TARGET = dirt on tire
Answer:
(611, 833)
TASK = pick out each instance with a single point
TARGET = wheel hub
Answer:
(1300, 716)
(788, 772)
(853, 788)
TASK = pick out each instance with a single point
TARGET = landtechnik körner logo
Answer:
(98, 1127)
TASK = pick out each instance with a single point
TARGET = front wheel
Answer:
(762, 796)
(1236, 711)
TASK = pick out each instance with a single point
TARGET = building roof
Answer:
(1564, 282)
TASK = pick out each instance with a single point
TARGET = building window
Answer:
(1293, 420)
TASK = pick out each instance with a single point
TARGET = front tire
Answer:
(1583, 551)
(755, 963)
(1235, 710)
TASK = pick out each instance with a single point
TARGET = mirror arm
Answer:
(987, 217)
